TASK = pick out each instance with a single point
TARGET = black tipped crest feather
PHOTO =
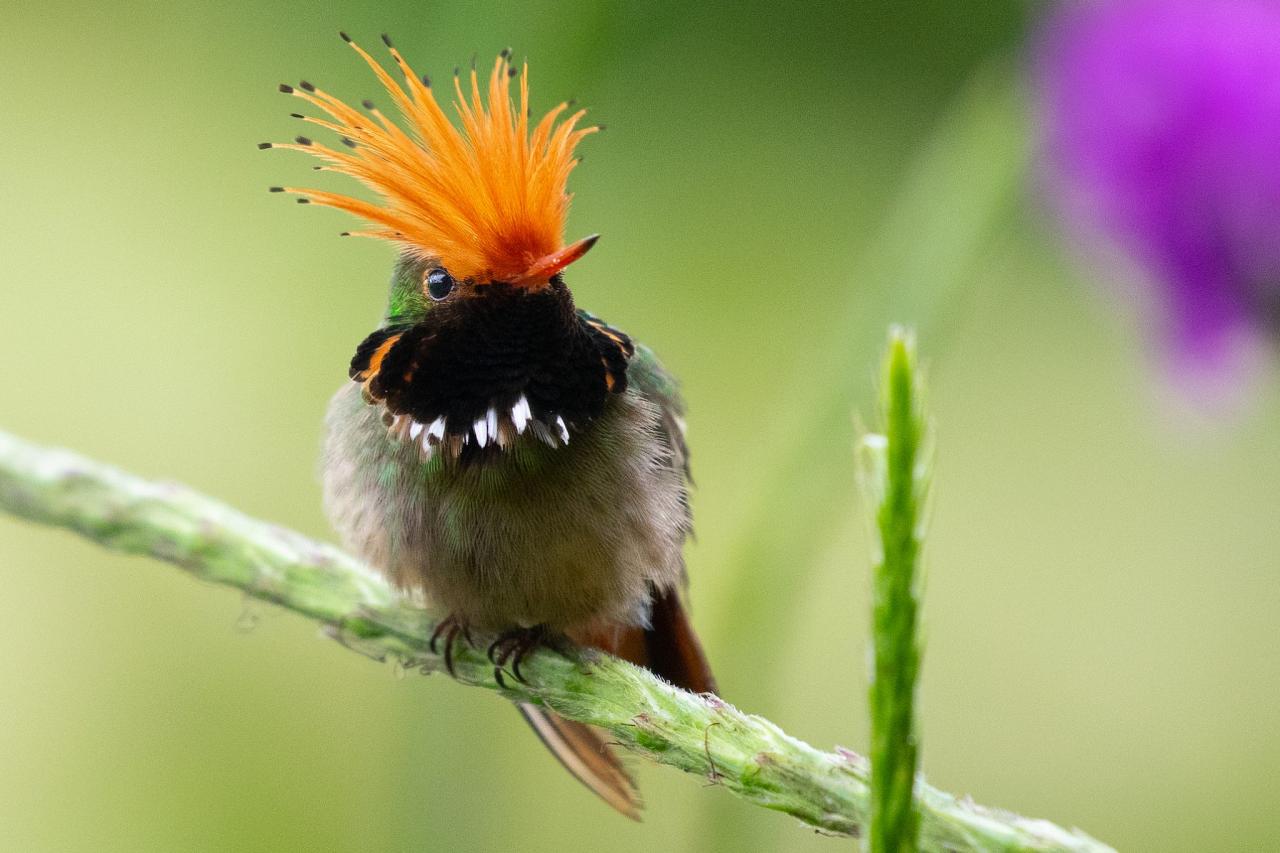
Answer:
(490, 351)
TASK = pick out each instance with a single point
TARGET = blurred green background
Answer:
(777, 184)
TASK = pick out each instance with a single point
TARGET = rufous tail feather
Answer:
(585, 754)
(671, 650)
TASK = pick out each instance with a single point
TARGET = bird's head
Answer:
(482, 338)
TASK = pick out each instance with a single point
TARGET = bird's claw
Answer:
(449, 629)
(513, 647)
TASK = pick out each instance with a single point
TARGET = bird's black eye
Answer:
(439, 284)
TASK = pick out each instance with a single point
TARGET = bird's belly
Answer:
(568, 537)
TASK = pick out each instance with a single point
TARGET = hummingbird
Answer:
(513, 459)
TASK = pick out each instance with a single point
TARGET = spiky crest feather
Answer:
(486, 200)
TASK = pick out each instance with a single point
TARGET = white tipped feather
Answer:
(521, 414)
(490, 428)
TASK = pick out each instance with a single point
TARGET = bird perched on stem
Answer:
(512, 457)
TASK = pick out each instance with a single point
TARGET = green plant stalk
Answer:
(894, 474)
(746, 754)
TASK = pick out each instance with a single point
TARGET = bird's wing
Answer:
(647, 375)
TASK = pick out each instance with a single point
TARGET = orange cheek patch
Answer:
(375, 360)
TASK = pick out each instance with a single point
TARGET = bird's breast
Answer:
(568, 536)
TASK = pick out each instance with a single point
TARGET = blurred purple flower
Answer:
(1163, 123)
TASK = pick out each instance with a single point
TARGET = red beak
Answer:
(548, 265)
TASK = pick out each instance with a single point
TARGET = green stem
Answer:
(745, 754)
(895, 479)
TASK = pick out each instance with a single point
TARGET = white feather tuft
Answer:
(521, 414)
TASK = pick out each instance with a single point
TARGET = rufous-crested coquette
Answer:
(515, 459)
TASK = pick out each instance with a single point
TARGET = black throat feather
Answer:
(487, 358)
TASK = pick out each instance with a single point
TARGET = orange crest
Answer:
(486, 200)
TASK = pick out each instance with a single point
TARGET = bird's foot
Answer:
(513, 646)
(447, 632)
